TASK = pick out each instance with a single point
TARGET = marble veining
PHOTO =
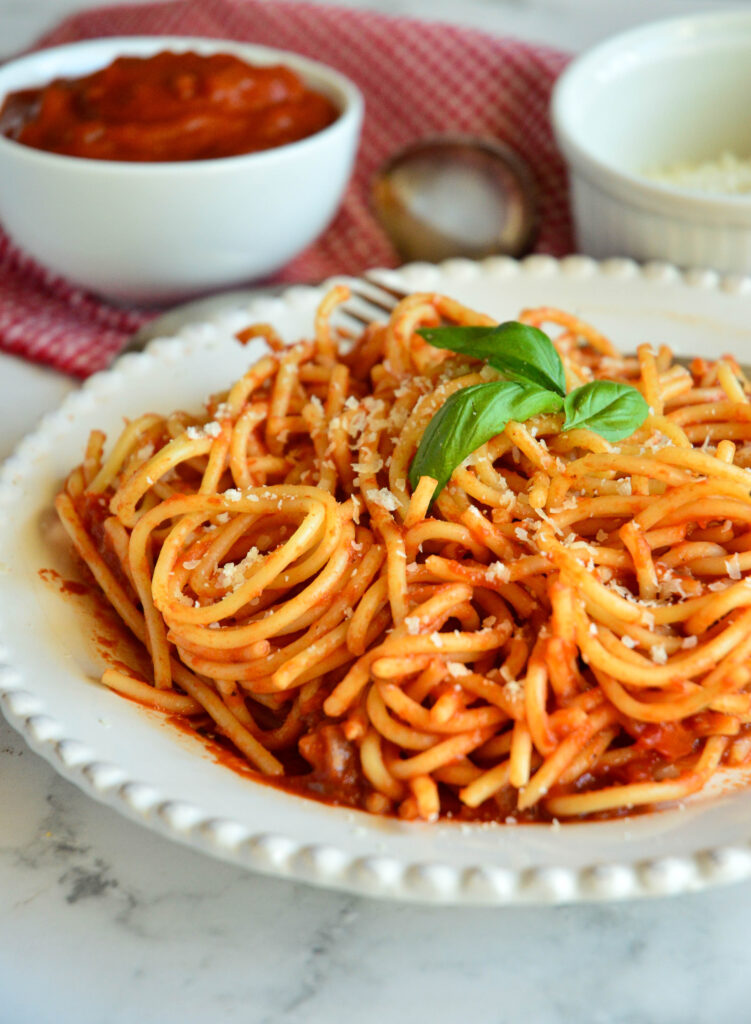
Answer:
(102, 922)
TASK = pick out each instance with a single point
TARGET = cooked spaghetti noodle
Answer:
(566, 632)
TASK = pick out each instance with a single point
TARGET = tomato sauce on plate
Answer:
(166, 108)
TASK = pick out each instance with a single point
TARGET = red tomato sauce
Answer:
(166, 108)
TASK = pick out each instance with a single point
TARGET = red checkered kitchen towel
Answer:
(417, 78)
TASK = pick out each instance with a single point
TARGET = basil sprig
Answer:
(522, 353)
(613, 410)
(469, 418)
(535, 384)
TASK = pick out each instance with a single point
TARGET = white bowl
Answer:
(156, 232)
(670, 92)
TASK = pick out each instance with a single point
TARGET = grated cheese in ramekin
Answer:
(728, 174)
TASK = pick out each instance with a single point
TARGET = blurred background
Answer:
(568, 24)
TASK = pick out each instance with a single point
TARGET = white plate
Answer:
(125, 756)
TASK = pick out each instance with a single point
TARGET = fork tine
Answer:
(385, 303)
(348, 333)
(361, 318)
(369, 300)
(372, 279)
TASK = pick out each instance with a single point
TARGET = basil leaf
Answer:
(612, 410)
(469, 418)
(522, 353)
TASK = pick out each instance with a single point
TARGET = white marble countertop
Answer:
(102, 922)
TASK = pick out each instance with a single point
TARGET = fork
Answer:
(370, 298)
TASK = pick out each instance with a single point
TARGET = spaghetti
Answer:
(565, 632)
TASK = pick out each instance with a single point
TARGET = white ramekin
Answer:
(156, 232)
(669, 92)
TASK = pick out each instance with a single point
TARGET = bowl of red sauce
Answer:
(152, 169)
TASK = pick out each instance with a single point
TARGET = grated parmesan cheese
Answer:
(551, 522)
(384, 498)
(671, 586)
(726, 174)
(498, 571)
(233, 576)
(212, 429)
(733, 566)
(658, 654)
(456, 668)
